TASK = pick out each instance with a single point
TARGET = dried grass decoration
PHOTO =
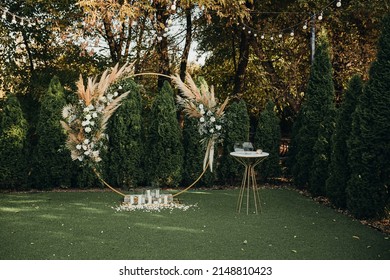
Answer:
(200, 103)
(85, 122)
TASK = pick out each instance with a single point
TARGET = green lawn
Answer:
(83, 225)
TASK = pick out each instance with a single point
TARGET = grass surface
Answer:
(83, 225)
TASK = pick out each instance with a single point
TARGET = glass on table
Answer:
(238, 147)
(248, 146)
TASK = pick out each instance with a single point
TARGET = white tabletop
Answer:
(249, 154)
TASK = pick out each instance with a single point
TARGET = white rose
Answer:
(94, 115)
(212, 119)
(80, 158)
(95, 154)
(201, 119)
(83, 123)
(87, 129)
(202, 111)
(201, 106)
(120, 87)
(86, 141)
(86, 109)
(110, 96)
(88, 117)
(90, 107)
(92, 123)
(86, 153)
(116, 94)
(78, 147)
(211, 130)
(85, 147)
(218, 127)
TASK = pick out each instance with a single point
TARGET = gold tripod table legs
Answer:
(249, 186)
(248, 183)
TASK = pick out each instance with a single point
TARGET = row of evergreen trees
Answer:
(344, 153)
(147, 147)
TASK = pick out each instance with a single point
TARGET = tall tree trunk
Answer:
(242, 60)
(110, 39)
(187, 45)
(242, 64)
(162, 46)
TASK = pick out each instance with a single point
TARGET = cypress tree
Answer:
(369, 144)
(13, 134)
(321, 155)
(164, 164)
(267, 138)
(339, 170)
(194, 154)
(52, 162)
(236, 130)
(315, 107)
(123, 159)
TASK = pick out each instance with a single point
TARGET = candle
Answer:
(165, 199)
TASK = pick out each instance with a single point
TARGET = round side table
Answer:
(249, 159)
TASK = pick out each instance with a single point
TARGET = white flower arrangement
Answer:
(201, 103)
(85, 122)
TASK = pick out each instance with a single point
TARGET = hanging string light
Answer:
(173, 6)
(15, 18)
(304, 24)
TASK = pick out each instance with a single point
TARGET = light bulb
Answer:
(262, 36)
(272, 38)
(280, 35)
(338, 4)
(14, 19)
(292, 33)
(305, 26)
(173, 7)
(249, 32)
(320, 17)
(255, 35)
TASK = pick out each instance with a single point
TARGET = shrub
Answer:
(164, 163)
(315, 107)
(339, 170)
(321, 155)
(52, 165)
(13, 133)
(369, 144)
(123, 158)
(267, 138)
(237, 130)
